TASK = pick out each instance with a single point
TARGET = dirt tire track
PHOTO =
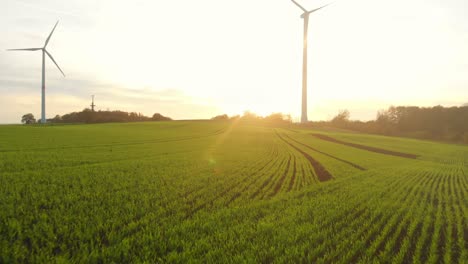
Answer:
(322, 173)
(368, 148)
(328, 155)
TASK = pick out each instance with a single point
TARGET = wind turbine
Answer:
(44, 52)
(305, 16)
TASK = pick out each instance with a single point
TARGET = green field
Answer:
(205, 191)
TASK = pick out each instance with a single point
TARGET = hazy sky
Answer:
(196, 59)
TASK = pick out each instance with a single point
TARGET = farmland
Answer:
(228, 192)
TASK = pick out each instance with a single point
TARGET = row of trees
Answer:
(88, 116)
(275, 118)
(438, 123)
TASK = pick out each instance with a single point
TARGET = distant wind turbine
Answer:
(44, 52)
(305, 16)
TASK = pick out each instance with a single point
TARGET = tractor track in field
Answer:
(364, 147)
(326, 154)
(155, 141)
(322, 173)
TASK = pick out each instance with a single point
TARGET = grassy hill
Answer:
(228, 192)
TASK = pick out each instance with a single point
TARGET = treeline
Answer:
(435, 123)
(275, 118)
(88, 116)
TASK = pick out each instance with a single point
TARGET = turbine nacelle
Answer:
(306, 12)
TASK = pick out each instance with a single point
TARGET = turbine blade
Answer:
(317, 9)
(48, 38)
(52, 58)
(31, 49)
(296, 3)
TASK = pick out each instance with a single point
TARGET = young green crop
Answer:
(206, 191)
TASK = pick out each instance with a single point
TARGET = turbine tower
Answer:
(305, 16)
(44, 52)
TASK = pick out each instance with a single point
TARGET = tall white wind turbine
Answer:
(305, 16)
(44, 52)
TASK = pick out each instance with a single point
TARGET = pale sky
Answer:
(197, 59)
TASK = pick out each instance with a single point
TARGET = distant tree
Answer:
(221, 117)
(465, 104)
(278, 118)
(133, 116)
(341, 118)
(234, 117)
(28, 119)
(159, 117)
(382, 117)
(56, 119)
(383, 123)
(275, 117)
(249, 116)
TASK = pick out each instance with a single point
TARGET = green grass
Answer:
(201, 191)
